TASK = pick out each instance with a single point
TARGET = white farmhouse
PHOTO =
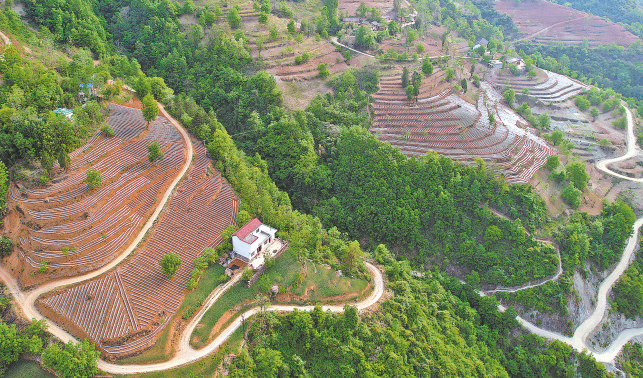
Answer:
(251, 239)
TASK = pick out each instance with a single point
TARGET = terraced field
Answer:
(547, 22)
(548, 87)
(444, 122)
(74, 229)
(124, 310)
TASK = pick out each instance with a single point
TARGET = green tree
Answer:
(64, 161)
(266, 6)
(234, 18)
(72, 360)
(154, 152)
(450, 74)
(410, 92)
(393, 29)
(492, 234)
(362, 9)
(509, 96)
(292, 28)
(427, 67)
(405, 77)
(594, 112)
(170, 263)
(263, 18)
(352, 255)
(274, 33)
(410, 37)
(323, 70)
(544, 122)
(150, 109)
(6, 246)
(4, 185)
(572, 196)
(364, 38)
(577, 174)
(552, 163)
(94, 178)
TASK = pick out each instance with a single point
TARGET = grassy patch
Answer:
(26, 369)
(284, 273)
(205, 367)
(157, 353)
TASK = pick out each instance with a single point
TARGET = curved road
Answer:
(26, 300)
(186, 354)
(579, 340)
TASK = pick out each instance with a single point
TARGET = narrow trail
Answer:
(579, 340)
(529, 285)
(186, 353)
(547, 29)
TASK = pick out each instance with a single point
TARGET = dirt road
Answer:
(186, 354)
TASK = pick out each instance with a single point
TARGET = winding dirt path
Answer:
(186, 354)
(579, 340)
(26, 300)
(547, 29)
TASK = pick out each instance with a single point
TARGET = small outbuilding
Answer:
(251, 239)
(495, 64)
(483, 42)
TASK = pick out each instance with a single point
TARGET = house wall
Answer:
(240, 247)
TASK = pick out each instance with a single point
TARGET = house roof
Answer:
(482, 41)
(247, 229)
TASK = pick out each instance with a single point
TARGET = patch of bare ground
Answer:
(299, 94)
(557, 23)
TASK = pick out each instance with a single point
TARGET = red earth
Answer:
(544, 22)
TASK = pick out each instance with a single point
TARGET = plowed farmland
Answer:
(124, 311)
(444, 122)
(556, 23)
(74, 229)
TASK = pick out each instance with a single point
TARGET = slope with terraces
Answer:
(443, 122)
(124, 311)
(74, 229)
(547, 86)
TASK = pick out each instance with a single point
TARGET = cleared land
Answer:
(124, 311)
(557, 23)
(444, 122)
(74, 229)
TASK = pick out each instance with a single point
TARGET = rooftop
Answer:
(247, 229)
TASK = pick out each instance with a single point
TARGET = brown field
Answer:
(455, 126)
(74, 229)
(125, 310)
(562, 24)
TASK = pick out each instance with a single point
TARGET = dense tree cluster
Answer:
(628, 291)
(599, 240)
(433, 326)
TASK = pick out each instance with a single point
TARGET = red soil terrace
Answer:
(74, 229)
(565, 24)
(443, 122)
(125, 310)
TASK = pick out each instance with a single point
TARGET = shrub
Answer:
(6, 246)
(571, 196)
(107, 131)
(94, 178)
(552, 163)
(582, 102)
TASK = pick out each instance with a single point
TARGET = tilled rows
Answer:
(200, 209)
(74, 227)
(451, 126)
